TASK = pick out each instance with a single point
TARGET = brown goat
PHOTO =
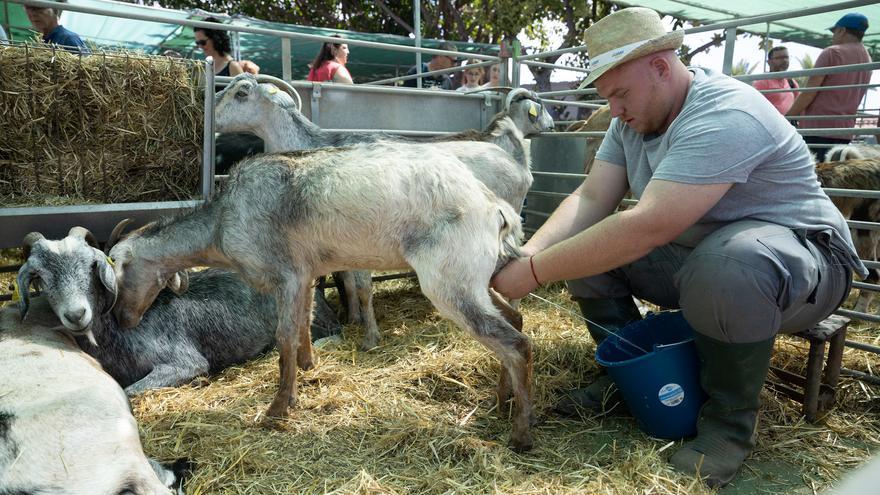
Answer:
(865, 175)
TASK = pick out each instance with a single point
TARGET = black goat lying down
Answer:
(219, 321)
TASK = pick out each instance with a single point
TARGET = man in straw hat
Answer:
(731, 226)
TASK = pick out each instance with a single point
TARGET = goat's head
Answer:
(75, 276)
(244, 104)
(528, 112)
(139, 280)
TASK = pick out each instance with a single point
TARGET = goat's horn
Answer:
(283, 85)
(513, 94)
(84, 234)
(117, 232)
(492, 89)
(29, 241)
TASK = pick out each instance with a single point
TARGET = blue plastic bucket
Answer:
(661, 387)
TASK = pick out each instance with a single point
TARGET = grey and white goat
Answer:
(246, 105)
(284, 219)
(65, 425)
(217, 322)
(845, 152)
(262, 109)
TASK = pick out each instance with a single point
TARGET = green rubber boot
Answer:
(732, 375)
(602, 395)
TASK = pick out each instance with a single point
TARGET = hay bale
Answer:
(105, 128)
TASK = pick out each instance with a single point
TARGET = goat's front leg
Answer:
(294, 301)
(169, 375)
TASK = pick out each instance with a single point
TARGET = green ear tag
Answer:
(110, 261)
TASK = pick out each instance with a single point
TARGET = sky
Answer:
(746, 48)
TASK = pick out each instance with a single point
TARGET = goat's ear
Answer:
(24, 286)
(534, 111)
(104, 271)
(179, 282)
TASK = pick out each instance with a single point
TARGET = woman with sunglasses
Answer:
(329, 64)
(215, 43)
(473, 77)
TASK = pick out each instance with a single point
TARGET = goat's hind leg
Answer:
(475, 312)
(515, 319)
(294, 302)
(364, 292)
(514, 350)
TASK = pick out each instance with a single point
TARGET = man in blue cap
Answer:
(846, 49)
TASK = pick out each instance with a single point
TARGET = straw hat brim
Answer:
(669, 41)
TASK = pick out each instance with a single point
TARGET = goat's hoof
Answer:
(368, 344)
(280, 410)
(305, 364)
(521, 443)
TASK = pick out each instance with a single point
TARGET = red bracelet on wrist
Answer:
(532, 265)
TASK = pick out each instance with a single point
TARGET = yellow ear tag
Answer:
(110, 261)
(533, 110)
(16, 295)
(272, 90)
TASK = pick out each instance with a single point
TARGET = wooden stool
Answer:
(816, 390)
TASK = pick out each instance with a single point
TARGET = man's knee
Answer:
(734, 285)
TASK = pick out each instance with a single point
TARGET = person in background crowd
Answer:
(777, 61)
(846, 49)
(329, 64)
(215, 43)
(494, 76)
(45, 20)
(438, 62)
(731, 226)
(473, 77)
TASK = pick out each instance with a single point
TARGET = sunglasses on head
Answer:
(201, 42)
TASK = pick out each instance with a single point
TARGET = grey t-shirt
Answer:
(727, 132)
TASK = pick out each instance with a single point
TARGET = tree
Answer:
(479, 21)
(742, 68)
(806, 63)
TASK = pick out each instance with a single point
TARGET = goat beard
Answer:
(88, 334)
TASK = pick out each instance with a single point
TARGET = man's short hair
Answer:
(448, 46)
(59, 11)
(858, 34)
(774, 50)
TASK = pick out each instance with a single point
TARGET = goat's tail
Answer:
(510, 234)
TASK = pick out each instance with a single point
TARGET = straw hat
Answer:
(626, 35)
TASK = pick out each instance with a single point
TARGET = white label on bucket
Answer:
(671, 394)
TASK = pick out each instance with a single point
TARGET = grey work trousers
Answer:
(745, 282)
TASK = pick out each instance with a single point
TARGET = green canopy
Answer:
(809, 30)
(155, 37)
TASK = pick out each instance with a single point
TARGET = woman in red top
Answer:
(329, 65)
